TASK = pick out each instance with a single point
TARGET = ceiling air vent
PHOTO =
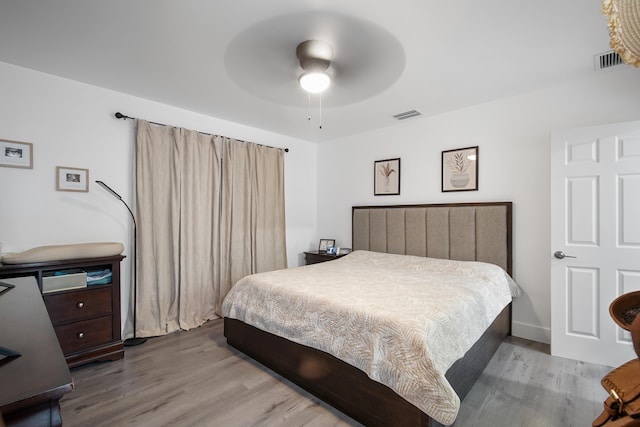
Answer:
(607, 60)
(407, 114)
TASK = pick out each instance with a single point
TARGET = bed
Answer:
(464, 232)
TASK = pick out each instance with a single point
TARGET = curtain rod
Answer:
(119, 115)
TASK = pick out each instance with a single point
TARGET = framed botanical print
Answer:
(460, 169)
(386, 177)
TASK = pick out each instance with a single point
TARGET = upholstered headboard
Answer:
(461, 231)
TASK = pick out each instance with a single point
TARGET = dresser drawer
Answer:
(78, 305)
(84, 334)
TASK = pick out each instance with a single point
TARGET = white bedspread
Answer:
(403, 320)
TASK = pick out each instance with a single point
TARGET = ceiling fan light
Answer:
(314, 81)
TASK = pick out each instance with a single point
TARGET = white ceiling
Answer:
(236, 60)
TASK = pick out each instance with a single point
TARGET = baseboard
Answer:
(531, 332)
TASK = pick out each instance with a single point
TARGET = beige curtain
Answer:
(253, 219)
(188, 243)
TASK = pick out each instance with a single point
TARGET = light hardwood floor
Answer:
(193, 378)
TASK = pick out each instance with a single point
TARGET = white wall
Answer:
(72, 124)
(513, 139)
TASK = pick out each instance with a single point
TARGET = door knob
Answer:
(560, 255)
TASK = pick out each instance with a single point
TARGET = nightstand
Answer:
(314, 257)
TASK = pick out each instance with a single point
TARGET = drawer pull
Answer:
(80, 304)
(80, 335)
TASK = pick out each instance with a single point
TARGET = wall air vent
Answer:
(407, 114)
(606, 60)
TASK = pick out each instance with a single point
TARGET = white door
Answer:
(595, 217)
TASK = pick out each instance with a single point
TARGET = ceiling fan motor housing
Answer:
(314, 55)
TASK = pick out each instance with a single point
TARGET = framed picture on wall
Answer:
(72, 179)
(15, 154)
(386, 177)
(460, 169)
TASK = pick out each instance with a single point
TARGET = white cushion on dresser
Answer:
(63, 252)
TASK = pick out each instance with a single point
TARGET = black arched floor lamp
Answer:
(129, 342)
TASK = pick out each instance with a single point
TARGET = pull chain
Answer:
(320, 96)
(309, 108)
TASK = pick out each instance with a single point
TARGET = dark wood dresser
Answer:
(314, 257)
(32, 384)
(86, 320)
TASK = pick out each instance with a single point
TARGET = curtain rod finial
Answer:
(119, 115)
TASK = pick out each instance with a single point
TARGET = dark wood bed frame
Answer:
(349, 389)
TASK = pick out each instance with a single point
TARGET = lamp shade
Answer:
(314, 81)
(624, 28)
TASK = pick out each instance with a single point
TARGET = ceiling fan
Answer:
(351, 59)
(315, 58)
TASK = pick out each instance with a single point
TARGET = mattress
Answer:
(403, 320)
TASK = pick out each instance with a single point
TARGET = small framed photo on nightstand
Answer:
(325, 244)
